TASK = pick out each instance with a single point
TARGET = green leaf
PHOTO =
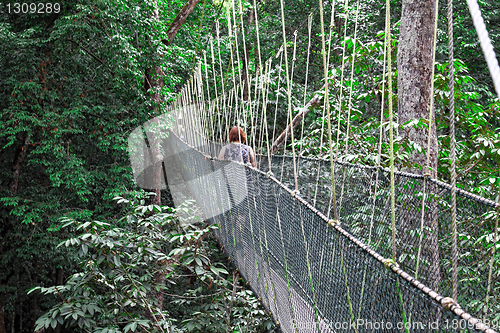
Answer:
(198, 261)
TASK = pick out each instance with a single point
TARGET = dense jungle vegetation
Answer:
(82, 248)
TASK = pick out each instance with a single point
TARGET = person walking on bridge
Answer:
(237, 150)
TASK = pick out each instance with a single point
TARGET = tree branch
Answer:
(295, 122)
(179, 21)
(92, 55)
(88, 52)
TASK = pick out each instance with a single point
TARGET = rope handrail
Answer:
(441, 183)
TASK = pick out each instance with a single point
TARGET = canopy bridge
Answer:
(327, 245)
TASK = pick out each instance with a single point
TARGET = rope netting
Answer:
(314, 274)
(327, 245)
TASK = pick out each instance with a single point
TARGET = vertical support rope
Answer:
(262, 70)
(200, 104)
(250, 130)
(492, 259)
(264, 110)
(188, 103)
(346, 5)
(391, 158)
(194, 98)
(323, 112)
(263, 89)
(223, 101)
(237, 105)
(196, 119)
(451, 85)
(202, 108)
(294, 54)
(327, 107)
(216, 91)
(349, 104)
(289, 92)
(210, 101)
(294, 58)
(332, 25)
(235, 28)
(280, 54)
(309, 29)
(303, 110)
(379, 157)
(217, 25)
(391, 137)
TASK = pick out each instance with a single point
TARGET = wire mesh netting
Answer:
(316, 277)
(423, 236)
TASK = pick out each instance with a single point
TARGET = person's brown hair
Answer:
(237, 134)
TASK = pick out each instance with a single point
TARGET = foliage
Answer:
(123, 265)
(72, 90)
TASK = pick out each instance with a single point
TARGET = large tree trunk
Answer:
(153, 85)
(415, 64)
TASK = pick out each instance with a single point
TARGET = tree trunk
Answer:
(154, 82)
(2, 313)
(16, 166)
(415, 64)
(153, 85)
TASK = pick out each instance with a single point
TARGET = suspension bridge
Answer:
(326, 245)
